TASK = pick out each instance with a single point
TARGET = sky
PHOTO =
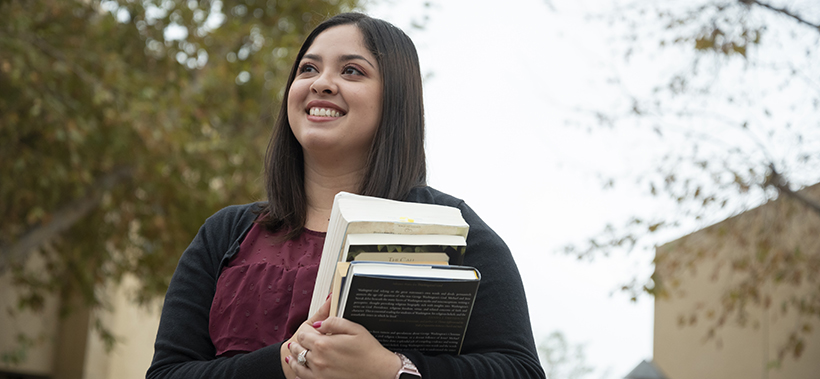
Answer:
(501, 85)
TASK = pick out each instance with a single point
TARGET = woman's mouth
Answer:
(324, 112)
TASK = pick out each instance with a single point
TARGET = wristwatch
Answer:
(408, 370)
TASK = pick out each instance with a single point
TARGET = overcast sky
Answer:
(502, 80)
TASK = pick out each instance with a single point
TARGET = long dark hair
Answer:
(396, 162)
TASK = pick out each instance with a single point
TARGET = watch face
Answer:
(409, 376)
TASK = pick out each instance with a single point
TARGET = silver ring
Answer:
(301, 357)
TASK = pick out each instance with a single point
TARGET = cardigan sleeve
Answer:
(499, 342)
(183, 347)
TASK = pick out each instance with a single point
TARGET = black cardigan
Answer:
(498, 343)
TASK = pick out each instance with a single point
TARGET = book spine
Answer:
(368, 227)
(362, 227)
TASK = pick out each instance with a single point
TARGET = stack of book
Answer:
(395, 268)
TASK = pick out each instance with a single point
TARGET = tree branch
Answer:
(783, 11)
(776, 180)
(62, 219)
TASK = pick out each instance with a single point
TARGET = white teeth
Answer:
(324, 112)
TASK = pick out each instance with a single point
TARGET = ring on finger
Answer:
(301, 358)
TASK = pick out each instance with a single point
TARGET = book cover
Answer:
(410, 307)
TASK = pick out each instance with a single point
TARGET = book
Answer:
(365, 223)
(338, 278)
(403, 248)
(409, 306)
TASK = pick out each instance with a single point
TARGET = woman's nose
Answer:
(324, 83)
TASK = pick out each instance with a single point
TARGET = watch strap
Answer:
(408, 370)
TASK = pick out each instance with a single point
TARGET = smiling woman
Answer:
(334, 103)
(352, 120)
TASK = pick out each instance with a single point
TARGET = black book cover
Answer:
(428, 315)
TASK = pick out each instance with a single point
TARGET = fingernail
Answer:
(289, 345)
(317, 324)
(328, 295)
(287, 359)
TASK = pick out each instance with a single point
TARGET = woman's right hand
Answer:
(307, 326)
(342, 349)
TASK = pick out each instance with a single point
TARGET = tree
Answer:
(736, 107)
(125, 124)
(562, 360)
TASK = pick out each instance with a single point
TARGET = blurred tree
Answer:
(124, 124)
(737, 111)
(561, 360)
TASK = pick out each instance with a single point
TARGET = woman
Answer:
(352, 120)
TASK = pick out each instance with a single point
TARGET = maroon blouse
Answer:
(264, 293)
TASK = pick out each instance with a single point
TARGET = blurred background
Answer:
(651, 164)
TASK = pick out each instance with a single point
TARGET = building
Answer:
(645, 370)
(723, 266)
(69, 347)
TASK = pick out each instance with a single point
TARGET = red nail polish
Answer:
(317, 324)
(328, 295)
(287, 359)
(289, 345)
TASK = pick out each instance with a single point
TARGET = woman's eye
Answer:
(350, 70)
(307, 67)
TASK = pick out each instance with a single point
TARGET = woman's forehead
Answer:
(339, 38)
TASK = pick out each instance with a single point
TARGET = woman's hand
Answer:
(284, 352)
(340, 349)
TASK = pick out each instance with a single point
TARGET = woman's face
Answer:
(334, 103)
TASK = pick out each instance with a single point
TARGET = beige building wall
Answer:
(71, 348)
(134, 326)
(708, 263)
(41, 327)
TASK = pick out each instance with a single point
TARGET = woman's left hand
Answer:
(341, 349)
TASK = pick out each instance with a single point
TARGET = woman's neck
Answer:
(322, 183)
